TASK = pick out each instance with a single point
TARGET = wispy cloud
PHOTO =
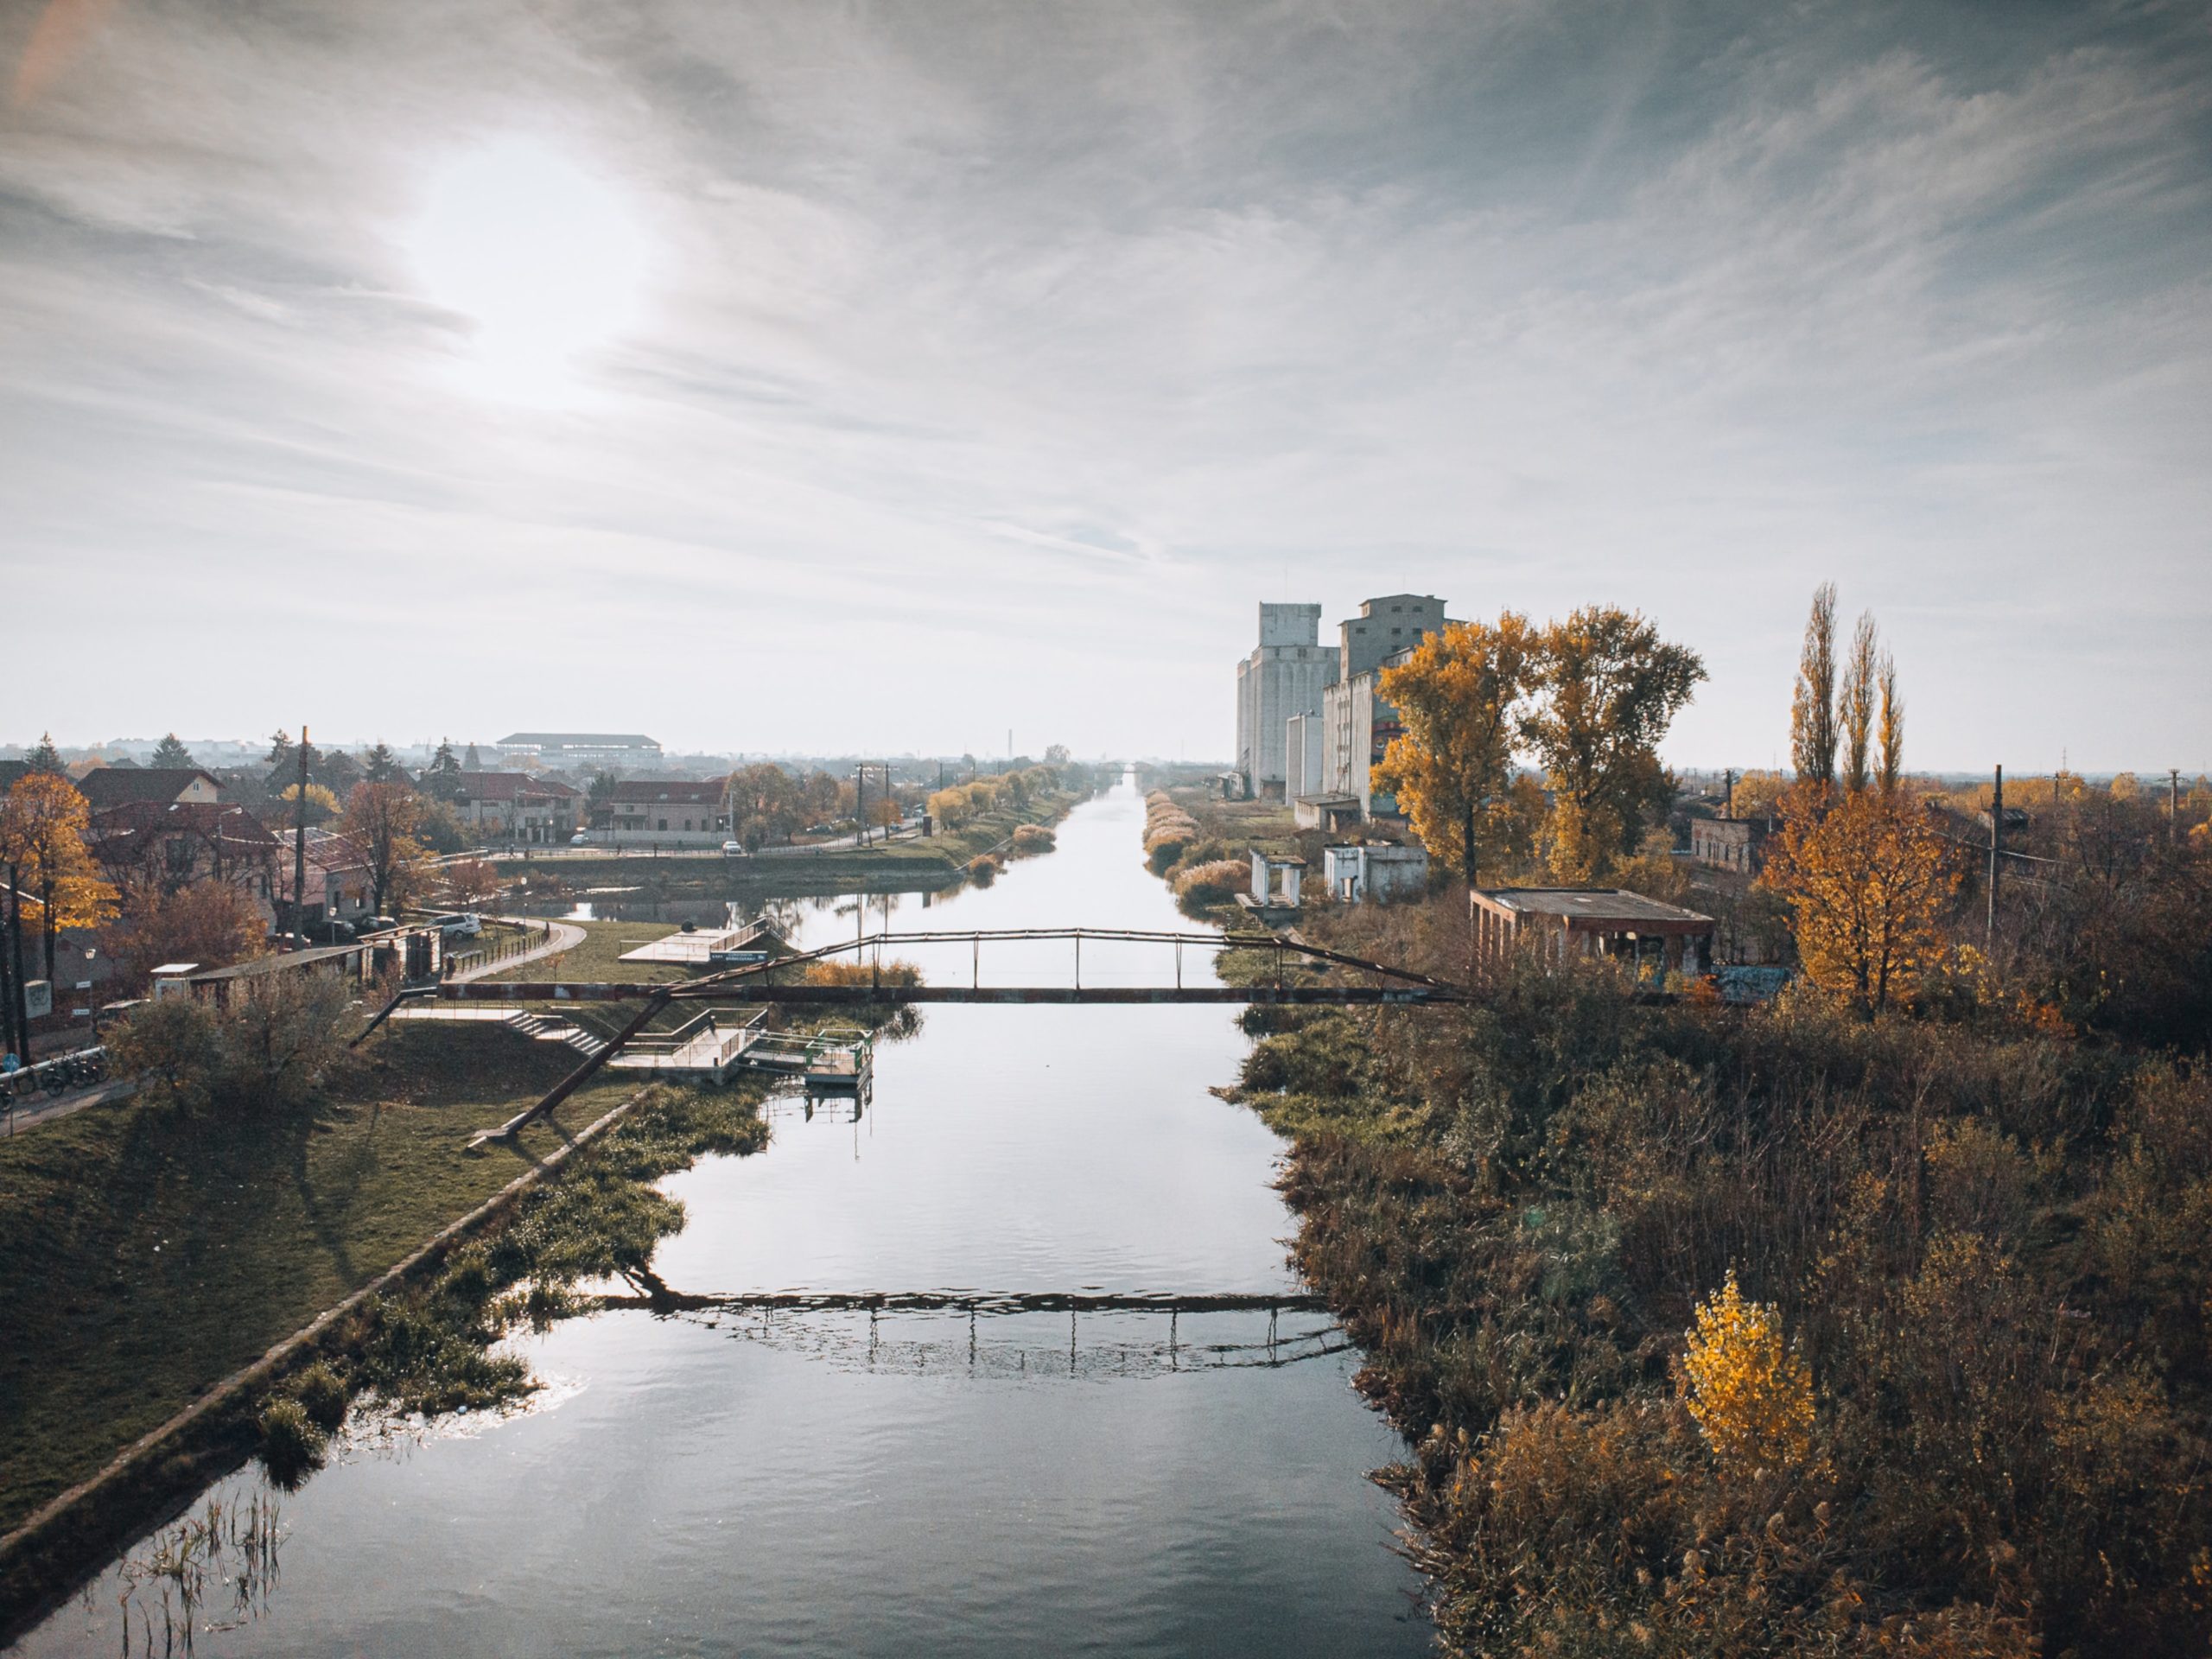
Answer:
(985, 346)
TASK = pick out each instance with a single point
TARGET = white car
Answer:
(580, 839)
(467, 922)
(732, 849)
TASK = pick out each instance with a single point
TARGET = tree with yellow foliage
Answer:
(43, 821)
(1458, 697)
(1866, 882)
(1609, 687)
(1752, 1398)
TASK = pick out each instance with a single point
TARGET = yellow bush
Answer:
(1751, 1398)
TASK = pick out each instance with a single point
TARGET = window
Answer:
(663, 823)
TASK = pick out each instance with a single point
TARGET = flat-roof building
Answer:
(1562, 922)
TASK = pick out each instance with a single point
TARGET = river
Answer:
(1013, 1483)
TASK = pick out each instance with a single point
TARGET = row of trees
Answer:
(1588, 698)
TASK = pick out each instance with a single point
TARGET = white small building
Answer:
(1375, 870)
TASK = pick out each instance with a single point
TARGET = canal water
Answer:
(1000, 1483)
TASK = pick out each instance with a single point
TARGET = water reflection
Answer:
(844, 1480)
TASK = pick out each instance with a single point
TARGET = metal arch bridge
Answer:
(773, 980)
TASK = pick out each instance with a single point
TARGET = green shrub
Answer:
(323, 1393)
(291, 1445)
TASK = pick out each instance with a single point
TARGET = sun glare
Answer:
(540, 255)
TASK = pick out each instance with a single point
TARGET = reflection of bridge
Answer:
(783, 978)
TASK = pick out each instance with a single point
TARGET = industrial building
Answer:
(1284, 676)
(1309, 726)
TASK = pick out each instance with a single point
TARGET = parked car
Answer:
(732, 849)
(364, 925)
(465, 922)
(580, 839)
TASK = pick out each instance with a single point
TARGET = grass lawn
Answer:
(145, 1254)
(599, 958)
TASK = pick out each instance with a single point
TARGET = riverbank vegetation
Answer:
(152, 1246)
(1871, 1319)
(1966, 1411)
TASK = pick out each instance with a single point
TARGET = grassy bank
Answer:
(1957, 1403)
(145, 1254)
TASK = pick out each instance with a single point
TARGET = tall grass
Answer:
(1991, 1250)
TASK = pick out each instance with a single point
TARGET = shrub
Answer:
(1032, 839)
(291, 1445)
(1752, 1398)
(1201, 886)
(983, 869)
(322, 1394)
(267, 1050)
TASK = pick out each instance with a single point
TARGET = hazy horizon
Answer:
(776, 380)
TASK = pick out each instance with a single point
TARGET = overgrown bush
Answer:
(1949, 1387)
(1168, 830)
(322, 1394)
(267, 1049)
(983, 869)
(1202, 886)
(1032, 839)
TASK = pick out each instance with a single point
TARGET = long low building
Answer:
(1563, 922)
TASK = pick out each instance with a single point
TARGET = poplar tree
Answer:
(1812, 707)
(1892, 728)
(1855, 704)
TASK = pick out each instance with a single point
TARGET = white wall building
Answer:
(1285, 676)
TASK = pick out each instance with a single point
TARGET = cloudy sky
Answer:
(801, 376)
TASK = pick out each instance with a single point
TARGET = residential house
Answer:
(339, 886)
(111, 786)
(517, 806)
(177, 842)
(668, 812)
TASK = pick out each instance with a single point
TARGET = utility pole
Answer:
(1728, 794)
(860, 804)
(299, 849)
(20, 992)
(1996, 854)
(2173, 806)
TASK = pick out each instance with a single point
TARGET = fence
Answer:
(529, 935)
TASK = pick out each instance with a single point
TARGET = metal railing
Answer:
(79, 1069)
(532, 935)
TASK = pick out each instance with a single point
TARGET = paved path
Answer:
(559, 936)
(52, 1107)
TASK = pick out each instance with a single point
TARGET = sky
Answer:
(812, 378)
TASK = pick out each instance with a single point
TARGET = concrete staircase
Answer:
(552, 1028)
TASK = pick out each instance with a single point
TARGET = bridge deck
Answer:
(757, 990)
